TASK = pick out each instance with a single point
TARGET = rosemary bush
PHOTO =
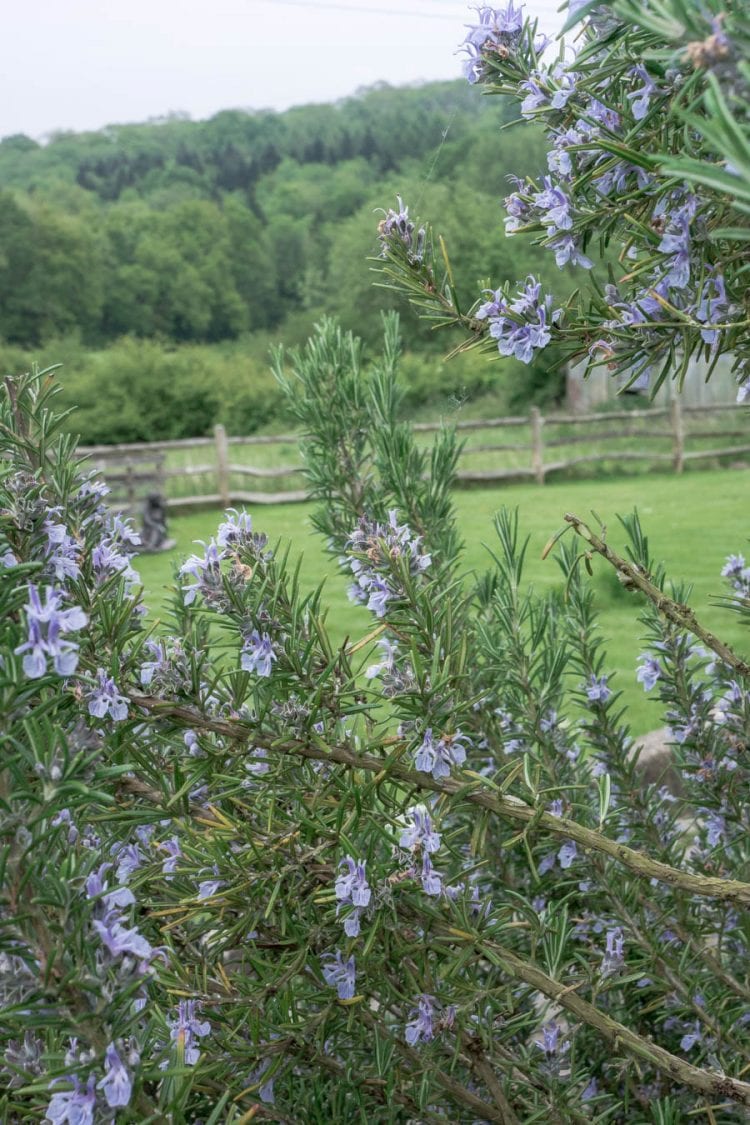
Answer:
(416, 877)
(248, 874)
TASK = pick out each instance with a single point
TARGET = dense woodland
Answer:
(177, 251)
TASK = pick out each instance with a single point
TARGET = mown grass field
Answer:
(693, 523)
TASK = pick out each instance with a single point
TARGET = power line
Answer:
(369, 10)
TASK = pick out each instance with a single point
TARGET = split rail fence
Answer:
(215, 471)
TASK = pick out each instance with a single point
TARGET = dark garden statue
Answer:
(154, 524)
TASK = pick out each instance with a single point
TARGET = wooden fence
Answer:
(221, 466)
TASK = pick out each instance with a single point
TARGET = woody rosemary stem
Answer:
(708, 1082)
(469, 787)
(676, 612)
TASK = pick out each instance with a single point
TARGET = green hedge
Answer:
(146, 390)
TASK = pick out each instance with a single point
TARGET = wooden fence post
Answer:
(537, 446)
(678, 434)
(222, 465)
(130, 486)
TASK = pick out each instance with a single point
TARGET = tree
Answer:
(50, 273)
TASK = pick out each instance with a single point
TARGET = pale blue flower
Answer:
(340, 974)
(116, 1084)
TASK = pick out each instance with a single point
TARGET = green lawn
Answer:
(693, 523)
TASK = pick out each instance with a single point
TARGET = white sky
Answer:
(82, 64)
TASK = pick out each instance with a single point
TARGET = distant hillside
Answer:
(234, 149)
(204, 231)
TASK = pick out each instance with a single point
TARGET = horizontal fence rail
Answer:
(182, 473)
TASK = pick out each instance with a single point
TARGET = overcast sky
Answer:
(82, 64)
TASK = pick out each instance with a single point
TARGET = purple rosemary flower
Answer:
(420, 834)
(597, 689)
(495, 307)
(264, 1088)
(554, 207)
(96, 888)
(683, 727)
(548, 1041)
(613, 959)
(159, 663)
(591, 1091)
(420, 1027)
(613, 181)
(567, 854)
(380, 593)
(76, 1106)
(547, 863)
(737, 573)
(47, 625)
(116, 1083)
(518, 213)
(352, 889)
(601, 113)
(567, 250)
(498, 31)
(65, 817)
(62, 550)
(523, 325)
(237, 531)
(107, 560)
(186, 1029)
(258, 764)
(535, 99)
(398, 227)
(436, 756)
(559, 159)
(235, 528)
(120, 531)
(375, 547)
(641, 96)
(340, 974)
(94, 487)
(208, 888)
(257, 654)
(119, 940)
(676, 243)
(566, 80)
(106, 699)
(649, 671)
(690, 1039)
(432, 880)
(734, 567)
(716, 827)
(128, 859)
(174, 853)
(206, 570)
(731, 703)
